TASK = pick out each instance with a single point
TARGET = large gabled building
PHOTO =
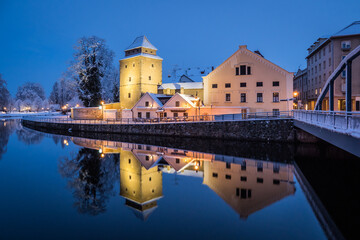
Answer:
(246, 79)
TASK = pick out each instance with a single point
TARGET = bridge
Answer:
(341, 129)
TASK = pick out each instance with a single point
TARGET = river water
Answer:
(93, 186)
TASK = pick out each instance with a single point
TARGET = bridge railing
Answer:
(337, 120)
(201, 118)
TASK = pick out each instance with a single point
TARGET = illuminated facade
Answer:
(140, 72)
(247, 79)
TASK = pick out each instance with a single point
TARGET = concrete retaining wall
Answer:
(281, 130)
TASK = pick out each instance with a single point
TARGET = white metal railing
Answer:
(201, 118)
(336, 120)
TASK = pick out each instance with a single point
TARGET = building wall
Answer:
(261, 71)
(193, 92)
(330, 55)
(86, 113)
(184, 107)
(139, 69)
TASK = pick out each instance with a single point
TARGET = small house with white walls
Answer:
(148, 105)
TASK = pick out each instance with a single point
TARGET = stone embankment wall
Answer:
(86, 113)
(280, 130)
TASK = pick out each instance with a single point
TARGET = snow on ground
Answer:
(30, 114)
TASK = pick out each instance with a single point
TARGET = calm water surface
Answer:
(63, 187)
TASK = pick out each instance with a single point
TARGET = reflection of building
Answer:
(248, 185)
(140, 181)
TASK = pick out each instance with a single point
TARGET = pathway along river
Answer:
(90, 186)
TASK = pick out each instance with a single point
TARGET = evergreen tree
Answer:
(4, 94)
(54, 95)
(92, 61)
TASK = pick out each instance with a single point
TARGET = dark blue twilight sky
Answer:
(37, 37)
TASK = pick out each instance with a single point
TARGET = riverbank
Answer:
(277, 130)
(27, 114)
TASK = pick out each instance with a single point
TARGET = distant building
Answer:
(247, 79)
(300, 88)
(195, 89)
(323, 57)
(140, 72)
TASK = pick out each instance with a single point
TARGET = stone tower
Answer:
(140, 72)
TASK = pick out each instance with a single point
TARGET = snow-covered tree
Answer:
(18, 105)
(93, 61)
(30, 91)
(37, 104)
(109, 81)
(4, 94)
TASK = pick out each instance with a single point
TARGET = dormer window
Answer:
(243, 70)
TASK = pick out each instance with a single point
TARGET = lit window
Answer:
(243, 97)
(227, 97)
(275, 97)
(316, 92)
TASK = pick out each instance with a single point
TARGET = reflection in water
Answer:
(28, 136)
(91, 179)
(247, 185)
(6, 129)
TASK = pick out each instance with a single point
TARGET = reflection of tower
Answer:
(140, 186)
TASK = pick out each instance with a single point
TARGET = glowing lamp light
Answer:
(66, 142)
(77, 105)
(196, 167)
(100, 107)
(296, 94)
(100, 150)
(102, 155)
(102, 102)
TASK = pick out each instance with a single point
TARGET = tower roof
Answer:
(141, 41)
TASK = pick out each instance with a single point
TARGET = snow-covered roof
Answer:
(176, 73)
(189, 99)
(352, 29)
(185, 85)
(144, 55)
(141, 41)
(157, 96)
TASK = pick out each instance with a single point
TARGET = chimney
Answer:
(243, 47)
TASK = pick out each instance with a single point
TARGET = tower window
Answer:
(129, 79)
(152, 65)
(149, 77)
(133, 64)
(129, 95)
(125, 66)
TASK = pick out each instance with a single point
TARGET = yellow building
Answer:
(140, 72)
(247, 79)
(185, 85)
